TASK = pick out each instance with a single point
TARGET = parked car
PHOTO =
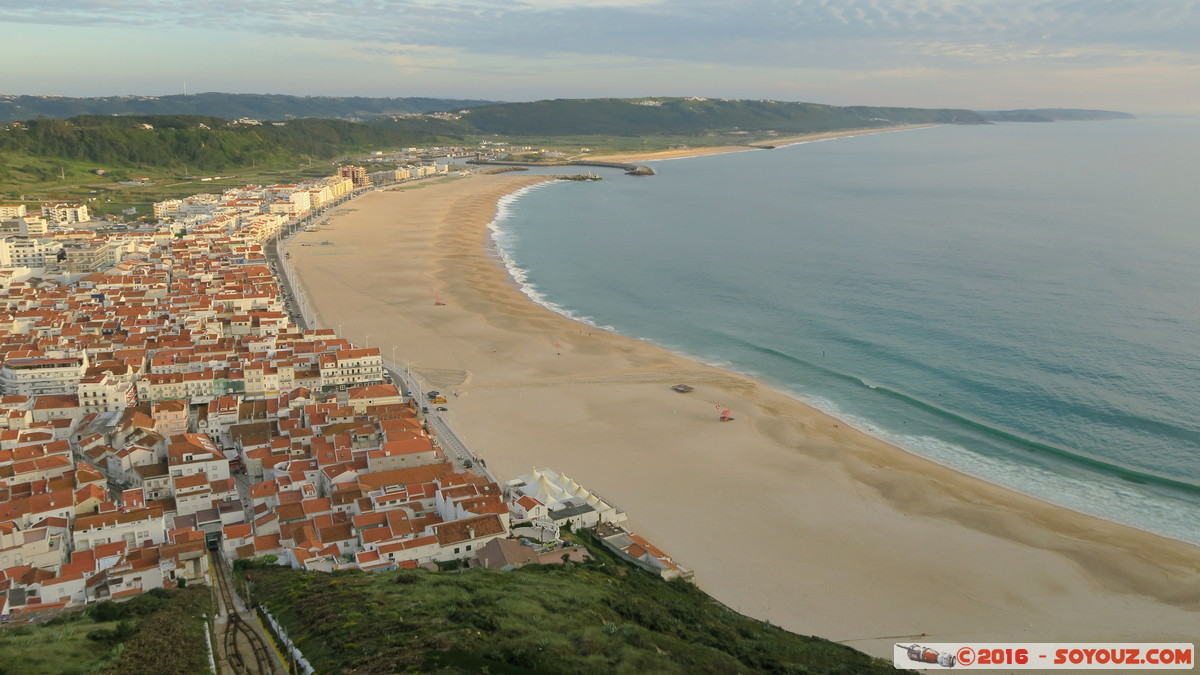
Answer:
(442, 408)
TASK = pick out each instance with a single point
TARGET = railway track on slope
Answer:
(246, 652)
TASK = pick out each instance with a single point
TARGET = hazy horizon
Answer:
(930, 54)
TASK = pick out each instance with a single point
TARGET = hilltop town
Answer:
(167, 405)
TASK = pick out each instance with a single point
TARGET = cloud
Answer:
(789, 40)
(1007, 53)
(651, 27)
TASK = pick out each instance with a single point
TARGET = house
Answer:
(170, 417)
(365, 397)
(134, 527)
(640, 552)
(463, 538)
(196, 453)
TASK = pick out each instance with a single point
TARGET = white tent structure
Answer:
(566, 500)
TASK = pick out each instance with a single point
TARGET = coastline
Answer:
(785, 507)
(775, 142)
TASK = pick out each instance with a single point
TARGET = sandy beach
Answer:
(773, 142)
(785, 514)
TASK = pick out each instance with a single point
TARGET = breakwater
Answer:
(630, 169)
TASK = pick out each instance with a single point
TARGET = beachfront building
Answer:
(635, 549)
(351, 367)
(13, 210)
(362, 398)
(564, 500)
(356, 174)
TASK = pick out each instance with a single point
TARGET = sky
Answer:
(1140, 56)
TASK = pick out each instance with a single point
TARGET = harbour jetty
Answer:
(630, 169)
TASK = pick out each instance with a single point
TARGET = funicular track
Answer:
(245, 651)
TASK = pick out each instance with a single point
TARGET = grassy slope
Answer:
(104, 194)
(56, 649)
(603, 617)
(167, 637)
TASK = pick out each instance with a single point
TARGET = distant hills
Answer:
(229, 106)
(694, 116)
(660, 115)
(218, 142)
(601, 116)
(220, 132)
(1053, 115)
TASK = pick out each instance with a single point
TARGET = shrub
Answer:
(108, 611)
(111, 636)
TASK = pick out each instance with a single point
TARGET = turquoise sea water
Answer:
(1020, 302)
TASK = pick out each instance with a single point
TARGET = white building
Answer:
(26, 227)
(18, 251)
(135, 527)
(167, 209)
(564, 500)
(42, 376)
(350, 367)
(66, 213)
(106, 392)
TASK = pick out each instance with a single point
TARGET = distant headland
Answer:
(1053, 115)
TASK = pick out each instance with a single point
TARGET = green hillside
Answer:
(47, 158)
(692, 117)
(200, 143)
(599, 617)
(230, 106)
(1053, 115)
(161, 631)
(206, 143)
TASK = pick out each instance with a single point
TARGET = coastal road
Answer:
(456, 451)
(276, 250)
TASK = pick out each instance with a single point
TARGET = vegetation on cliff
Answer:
(603, 616)
(160, 631)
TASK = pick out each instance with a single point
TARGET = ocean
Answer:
(1019, 302)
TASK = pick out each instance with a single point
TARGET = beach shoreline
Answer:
(784, 507)
(684, 153)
